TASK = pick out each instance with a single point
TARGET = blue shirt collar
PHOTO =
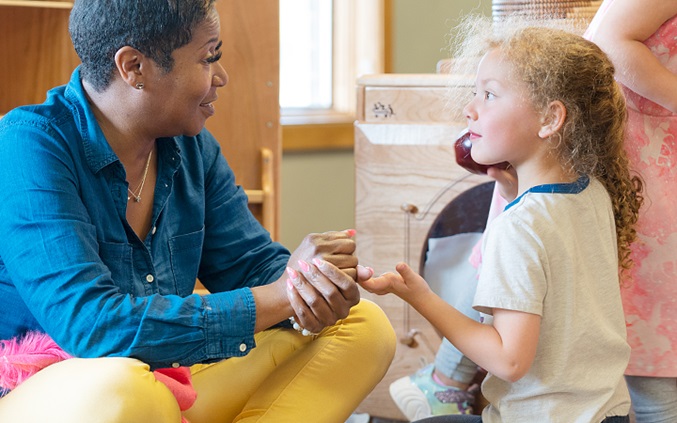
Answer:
(564, 188)
(98, 152)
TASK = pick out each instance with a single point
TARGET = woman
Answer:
(639, 36)
(116, 199)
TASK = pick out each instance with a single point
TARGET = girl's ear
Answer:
(553, 119)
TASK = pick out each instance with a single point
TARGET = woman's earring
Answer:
(139, 85)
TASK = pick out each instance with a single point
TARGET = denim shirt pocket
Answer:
(185, 254)
(118, 258)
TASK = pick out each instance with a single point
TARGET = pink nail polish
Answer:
(292, 273)
(317, 262)
(351, 232)
(304, 266)
(290, 286)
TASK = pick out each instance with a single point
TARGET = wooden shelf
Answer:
(41, 4)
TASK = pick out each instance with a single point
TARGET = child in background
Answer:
(553, 340)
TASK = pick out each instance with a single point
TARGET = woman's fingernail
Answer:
(292, 273)
(317, 262)
(351, 232)
(304, 266)
(290, 286)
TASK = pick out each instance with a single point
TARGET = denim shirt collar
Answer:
(98, 152)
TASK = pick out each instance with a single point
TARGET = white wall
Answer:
(318, 188)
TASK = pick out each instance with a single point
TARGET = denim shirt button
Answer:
(150, 278)
(176, 365)
(243, 347)
(154, 230)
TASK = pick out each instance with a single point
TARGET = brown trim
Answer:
(318, 137)
(335, 132)
(387, 36)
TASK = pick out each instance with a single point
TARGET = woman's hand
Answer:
(321, 277)
(336, 247)
(318, 287)
(320, 294)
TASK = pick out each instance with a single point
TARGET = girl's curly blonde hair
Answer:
(559, 65)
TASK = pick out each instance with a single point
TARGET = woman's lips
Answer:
(208, 107)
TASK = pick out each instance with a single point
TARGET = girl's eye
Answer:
(215, 58)
(488, 95)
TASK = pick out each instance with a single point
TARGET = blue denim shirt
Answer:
(71, 266)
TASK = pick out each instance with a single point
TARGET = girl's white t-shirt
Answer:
(553, 253)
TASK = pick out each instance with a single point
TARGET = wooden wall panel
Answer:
(36, 54)
(247, 115)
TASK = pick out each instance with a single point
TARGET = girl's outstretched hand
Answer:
(406, 283)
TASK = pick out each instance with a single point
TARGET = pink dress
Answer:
(650, 296)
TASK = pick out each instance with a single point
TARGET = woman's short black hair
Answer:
(99, 28)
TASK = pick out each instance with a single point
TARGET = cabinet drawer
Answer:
(393, 98)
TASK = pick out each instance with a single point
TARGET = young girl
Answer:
(553, 339)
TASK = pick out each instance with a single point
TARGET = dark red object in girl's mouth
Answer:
(462, 148)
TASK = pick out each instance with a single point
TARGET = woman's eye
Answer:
(215, 58)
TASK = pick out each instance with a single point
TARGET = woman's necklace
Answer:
(137, 197)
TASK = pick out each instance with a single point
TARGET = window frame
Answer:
(359, 40)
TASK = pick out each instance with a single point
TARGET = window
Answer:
(324, 47)
(306, 54)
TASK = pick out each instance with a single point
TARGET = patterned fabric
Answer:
(650, 294)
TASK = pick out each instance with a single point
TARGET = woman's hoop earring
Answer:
(139, 85)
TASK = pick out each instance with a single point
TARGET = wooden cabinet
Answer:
(405, 173)
(36, 54)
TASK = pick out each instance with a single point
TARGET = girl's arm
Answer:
(622, 29)
(506, 349)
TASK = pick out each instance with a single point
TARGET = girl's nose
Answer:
(469, 112)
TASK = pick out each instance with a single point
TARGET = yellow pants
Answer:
(286, 378)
